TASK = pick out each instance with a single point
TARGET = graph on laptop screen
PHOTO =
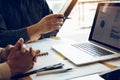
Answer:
(108, 24)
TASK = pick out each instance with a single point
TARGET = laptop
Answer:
(104, 38)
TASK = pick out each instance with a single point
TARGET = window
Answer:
(83, 10)
(82, 18)
(82, 14)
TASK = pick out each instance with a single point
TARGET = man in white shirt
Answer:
(16, 60)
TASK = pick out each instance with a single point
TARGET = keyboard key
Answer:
(92, 50)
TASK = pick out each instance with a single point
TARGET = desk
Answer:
(110, 66)
(45, 45)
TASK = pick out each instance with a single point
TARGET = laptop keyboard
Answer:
(92, 50)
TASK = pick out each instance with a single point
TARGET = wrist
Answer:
(33, 29)
(0, 52)
(12, 68)
(2, 56)
(33, 32)
(5, 71)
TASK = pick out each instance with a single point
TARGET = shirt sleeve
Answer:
(5, 72)
(11, 36)
(47, 11)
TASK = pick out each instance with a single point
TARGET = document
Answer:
(46, 61)
(90, 77)
(77, 71)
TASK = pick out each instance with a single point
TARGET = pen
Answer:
(63, 17)
(52, 67)
(53, 71)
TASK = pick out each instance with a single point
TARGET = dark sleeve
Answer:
(10, 36)
(47, 11)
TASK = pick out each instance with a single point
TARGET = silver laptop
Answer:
(104, 39)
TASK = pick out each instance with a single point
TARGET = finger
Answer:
(2, 51)
(35, 59)
(56, 20)
(19, 44)
(37, 52)
(32, 52)
(58, 15)
(55, 16)
(23, 49)
(8, 49)
(57, 23)
(31, 66)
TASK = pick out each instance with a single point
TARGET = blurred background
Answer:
(81, 16)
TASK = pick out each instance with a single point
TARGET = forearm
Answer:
(36, 31)
(33, 32)
(5, 72)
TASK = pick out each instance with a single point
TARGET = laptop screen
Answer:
(106, 25)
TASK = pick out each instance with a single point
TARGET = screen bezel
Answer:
(94, 23)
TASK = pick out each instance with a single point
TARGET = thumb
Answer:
(19, 44)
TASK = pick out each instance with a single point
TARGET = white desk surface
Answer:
(54, 57)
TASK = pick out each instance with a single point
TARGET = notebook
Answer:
(104, 38)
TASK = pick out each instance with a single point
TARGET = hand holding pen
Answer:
(63, 18)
